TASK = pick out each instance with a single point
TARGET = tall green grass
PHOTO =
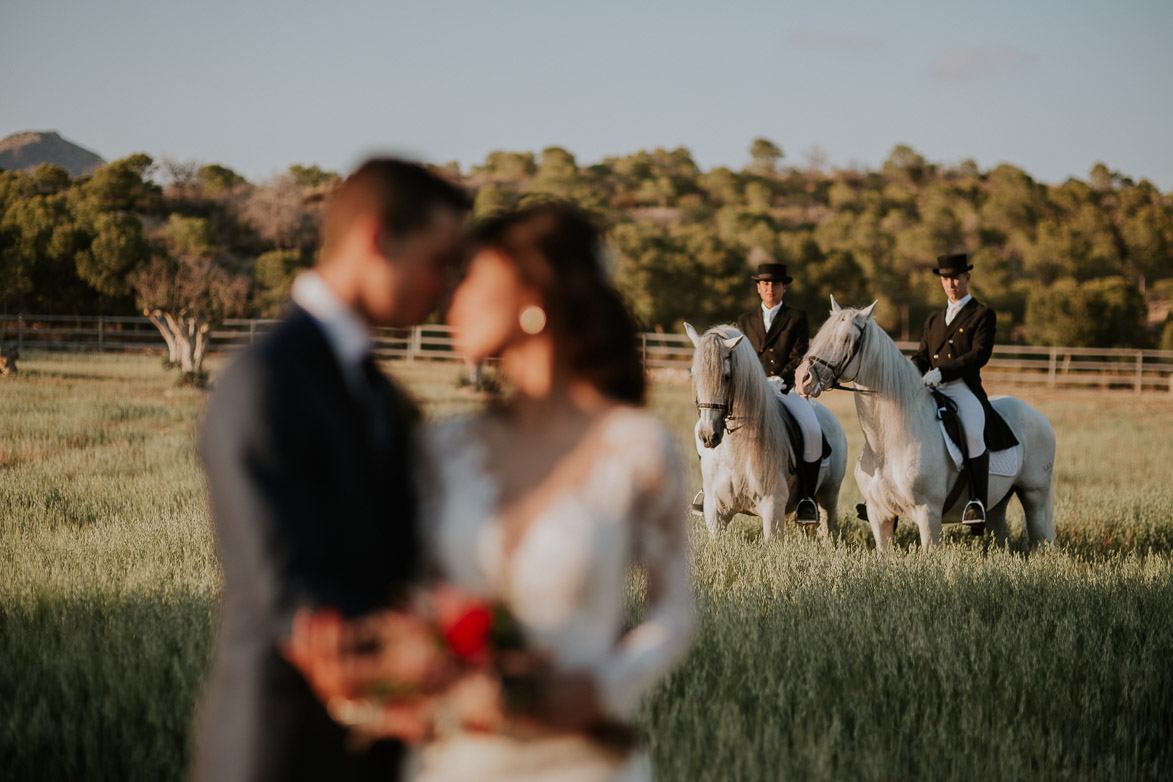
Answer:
(814, 660)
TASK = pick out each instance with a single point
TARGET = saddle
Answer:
(794, 434)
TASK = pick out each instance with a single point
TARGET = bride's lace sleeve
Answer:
(645, 654)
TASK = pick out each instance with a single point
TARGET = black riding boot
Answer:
(975, 510)
(808, 479)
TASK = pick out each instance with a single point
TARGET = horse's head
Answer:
(834, 351)
(712, 379)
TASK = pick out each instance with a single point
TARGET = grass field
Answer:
(814, 660)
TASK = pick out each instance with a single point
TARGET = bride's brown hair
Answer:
(558, 250)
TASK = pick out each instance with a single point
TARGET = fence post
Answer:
(413, 342)
(1051, 368)
(252, 330)
(101, 332)
(20, 332)
(1139, 371)
(643, 349)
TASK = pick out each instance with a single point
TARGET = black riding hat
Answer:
(952, 265)
(772, 272)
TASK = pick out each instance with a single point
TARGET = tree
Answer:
(273, 275)
(124, 185)
(50, 178)
(765, 155)
(313, 176)
(503, 166)
(39, 238)
(187, 289)
(758, 195)
(118, 249)
(182, 176)
(1106, 312)
(217, 179)
(905, 164)
(278, 213)
(1101, 177)
(491, 200)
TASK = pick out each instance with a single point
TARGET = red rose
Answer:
(468, 636)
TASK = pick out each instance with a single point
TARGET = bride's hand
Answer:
(476, 701)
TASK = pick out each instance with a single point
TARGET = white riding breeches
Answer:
(973, 416)
(808, 422)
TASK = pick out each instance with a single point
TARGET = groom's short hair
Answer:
(403, 195)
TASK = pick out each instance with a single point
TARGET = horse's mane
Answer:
(751, 400)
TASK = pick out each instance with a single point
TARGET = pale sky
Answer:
(1049, 85)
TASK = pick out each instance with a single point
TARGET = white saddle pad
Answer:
(1001, 462)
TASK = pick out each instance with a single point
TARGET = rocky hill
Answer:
(30, 148)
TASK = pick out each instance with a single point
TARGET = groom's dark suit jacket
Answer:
(782, 347)
(313, 506)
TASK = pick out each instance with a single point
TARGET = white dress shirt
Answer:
(347, 334)
(955, 307)
(769, 313)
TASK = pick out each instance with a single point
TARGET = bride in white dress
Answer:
(544, 501)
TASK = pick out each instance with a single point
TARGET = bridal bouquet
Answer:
(451, 650)
(449, 659)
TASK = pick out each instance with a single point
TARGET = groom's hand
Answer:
(315, 649)
(390, 650)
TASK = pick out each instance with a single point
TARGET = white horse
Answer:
(904, 469)
(746, 459)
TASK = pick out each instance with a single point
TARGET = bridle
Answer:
(723, 407)
(837, 369)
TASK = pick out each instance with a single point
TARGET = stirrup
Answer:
(975, 513)
(806, 512)
(698, 505)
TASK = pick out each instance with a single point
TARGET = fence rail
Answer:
(1119, 368)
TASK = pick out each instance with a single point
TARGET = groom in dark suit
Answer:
(306, 446)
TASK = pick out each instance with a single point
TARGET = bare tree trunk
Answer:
(182, 340)
(169, 336)
(201, 347)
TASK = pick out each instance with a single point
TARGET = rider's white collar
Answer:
(769, 313)
(955, 307)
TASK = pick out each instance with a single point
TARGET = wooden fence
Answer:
(1135, 370)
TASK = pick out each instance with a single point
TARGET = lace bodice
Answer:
(565, 579)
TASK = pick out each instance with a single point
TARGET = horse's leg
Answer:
(883, 528)
(1037, 507)
(996, 519)
(769, 508)
(928, 521)
(713, 519)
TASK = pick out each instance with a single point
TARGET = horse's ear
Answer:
(834, 305)
(732, 341)
(867, 313)
(691, 332)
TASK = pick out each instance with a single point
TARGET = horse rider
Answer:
(781, 335)
(956, 344)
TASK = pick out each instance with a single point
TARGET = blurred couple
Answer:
(346, 526)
